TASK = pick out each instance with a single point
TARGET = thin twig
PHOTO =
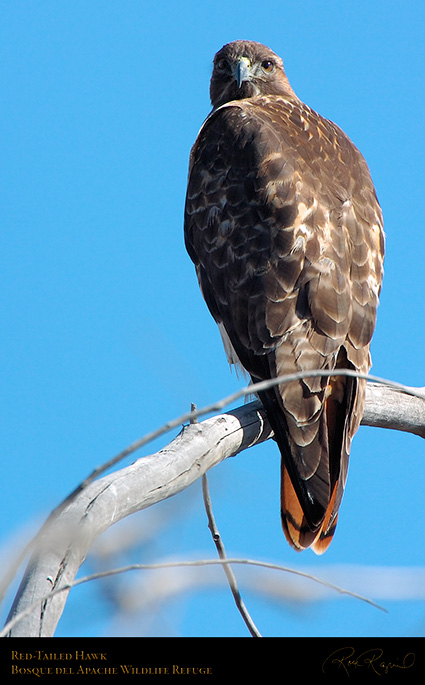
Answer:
(220, 404)
(227, 569)
(181, 564)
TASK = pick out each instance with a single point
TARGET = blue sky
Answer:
(104, 333)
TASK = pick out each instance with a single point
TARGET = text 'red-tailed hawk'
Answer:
(285, 230)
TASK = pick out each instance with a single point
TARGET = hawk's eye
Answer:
(222, 64)
(267, 65)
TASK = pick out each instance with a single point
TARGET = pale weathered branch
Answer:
(401, 409)
(63, 544)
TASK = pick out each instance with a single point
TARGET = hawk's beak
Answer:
(242, 71)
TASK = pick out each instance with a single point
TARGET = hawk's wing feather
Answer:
(284, 227)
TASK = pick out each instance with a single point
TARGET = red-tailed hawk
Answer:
(285, 230)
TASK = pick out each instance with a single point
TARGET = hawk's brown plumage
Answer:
(285, 230)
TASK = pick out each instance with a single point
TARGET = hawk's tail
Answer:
(333, 451)
(298, 531)
(313, 473)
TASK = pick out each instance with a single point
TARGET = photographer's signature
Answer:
(347, 660)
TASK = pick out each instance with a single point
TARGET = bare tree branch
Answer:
(227, 568)
(64, 541)
(400, 409)
(184, 564)
(146, 593)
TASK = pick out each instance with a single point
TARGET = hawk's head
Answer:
(243, 69)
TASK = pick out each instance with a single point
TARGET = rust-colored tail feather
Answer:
(300, 532)
(295, 526)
